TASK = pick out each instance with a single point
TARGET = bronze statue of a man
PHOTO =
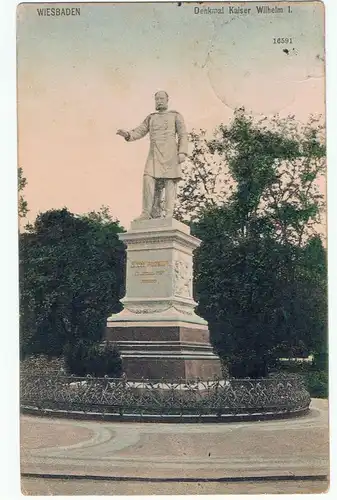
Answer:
(168, 149)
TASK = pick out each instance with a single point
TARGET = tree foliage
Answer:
(263, 299)
(71, 276)
(276, 165)
(268, 169)
(207, 182)
(87, 358)
(260, 273)
(22, 203)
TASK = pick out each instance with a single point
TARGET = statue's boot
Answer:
(143, 216)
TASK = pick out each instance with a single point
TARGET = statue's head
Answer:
(161, 99)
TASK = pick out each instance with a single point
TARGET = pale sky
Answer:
(80, 78)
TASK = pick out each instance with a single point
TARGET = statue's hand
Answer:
(122, 132)
(181, 157)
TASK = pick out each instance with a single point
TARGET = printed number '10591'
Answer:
(282, 40)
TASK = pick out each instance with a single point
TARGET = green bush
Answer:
(315, 379)
(321, 361)
(317, 383)
(71, 279)
(94, 359)
(293, 366)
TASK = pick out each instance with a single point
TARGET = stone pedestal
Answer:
(158, 333)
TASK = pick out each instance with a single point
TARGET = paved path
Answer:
(294, 447)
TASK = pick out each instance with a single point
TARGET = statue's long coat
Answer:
(168, 138)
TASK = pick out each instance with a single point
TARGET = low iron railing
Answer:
(274, 395)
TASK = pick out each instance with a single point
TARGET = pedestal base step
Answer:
(170, 368)
(169, 352)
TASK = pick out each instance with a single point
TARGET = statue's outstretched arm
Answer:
(139, 132)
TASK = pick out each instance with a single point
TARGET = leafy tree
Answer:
(22, 203)
(207, 182)
(260, 272)
(71, 275)
(276, 166)
(268, 169)
(262, 299)
(87, 358)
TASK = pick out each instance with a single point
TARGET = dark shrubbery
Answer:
(317, 383)
(94, 359)
(316, 375)
(71, 279)
(247, 367)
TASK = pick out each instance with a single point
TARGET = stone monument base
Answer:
(183, 350)
(158, 332)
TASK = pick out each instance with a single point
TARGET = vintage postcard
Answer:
(172, 247)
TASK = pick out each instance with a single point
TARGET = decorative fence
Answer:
(146, 399)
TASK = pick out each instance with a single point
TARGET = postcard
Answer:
(172, 246)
